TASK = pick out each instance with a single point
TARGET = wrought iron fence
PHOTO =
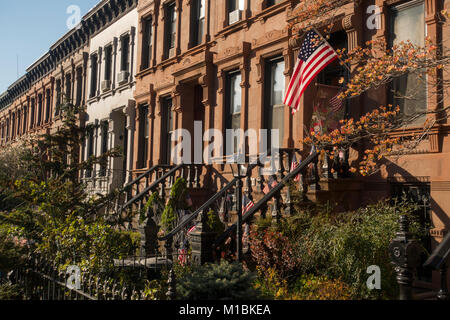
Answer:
(42, 280)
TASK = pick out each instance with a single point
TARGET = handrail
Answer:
(143, 175)
(268, 196)
(438, 257)
(126, 187)
(207, 204)
(202, 207)
(152, 186)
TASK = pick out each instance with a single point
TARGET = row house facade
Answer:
(146, 68)
(73, 71)
(228, 63)
(110, 103)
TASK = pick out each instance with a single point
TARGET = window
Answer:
(147, 41)
(47, 105)
(40, 109)
(79, 95)
(270, 3)
(32, 113)
(68, 91)
(234, 10)
(25, 120)
(125, 53)
(166, 130)
(171, 27)
(104, 131)
(198, 22)
(19, 115)
(233, 104)
(273, 102)
(408, 23)
(90, 148)
(108, 63)
(333, 72)
(236, 5)
(94, 70)
(13, 131)
(7, 129)
(58, 97)
(144, 131)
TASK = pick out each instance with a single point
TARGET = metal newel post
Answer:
(405, 255)
(239, 185)
(443, 292)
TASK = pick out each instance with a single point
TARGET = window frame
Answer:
(392, 11)
(125, 52)
(144, 135)
(94, 76)
(170, 28)
(229, 105)
(108, 51)
(166, 129)
(198, 22)
(147, 42)
(268, 97)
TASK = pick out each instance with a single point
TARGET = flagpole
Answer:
(320, 35)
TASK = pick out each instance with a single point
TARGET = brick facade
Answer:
(186, 51)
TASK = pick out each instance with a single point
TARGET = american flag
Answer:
(247, 204)
(191, 229)
(336, 102)
(313, 57)
(294, 165)
(182, 254)
(272, 183)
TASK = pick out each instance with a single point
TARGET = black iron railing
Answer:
(273, 194)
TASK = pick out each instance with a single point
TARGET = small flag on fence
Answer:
(247, 204)
(191, 229)
(272, 183)
(294, 165)
(182, 255)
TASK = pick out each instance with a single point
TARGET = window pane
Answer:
(409, 91)
(274, 107)
(277, 82)
(201, 9)
(241, 4)
(236, 100)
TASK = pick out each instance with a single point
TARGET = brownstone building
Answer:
(227, 64)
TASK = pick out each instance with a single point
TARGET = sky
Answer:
(28, 28)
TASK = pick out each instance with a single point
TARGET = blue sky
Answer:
(28, 28)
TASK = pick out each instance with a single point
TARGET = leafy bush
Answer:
(214, 223)
(10, 292)
(177, 200)
(224, 281)
(335, 246)
(272, 250)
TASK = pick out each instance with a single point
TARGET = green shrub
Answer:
(214, 223)
(339, 246)
(222, 281)
(10, 292)
(177, 200)
(312, 287)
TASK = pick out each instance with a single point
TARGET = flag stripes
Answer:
(312, 59)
